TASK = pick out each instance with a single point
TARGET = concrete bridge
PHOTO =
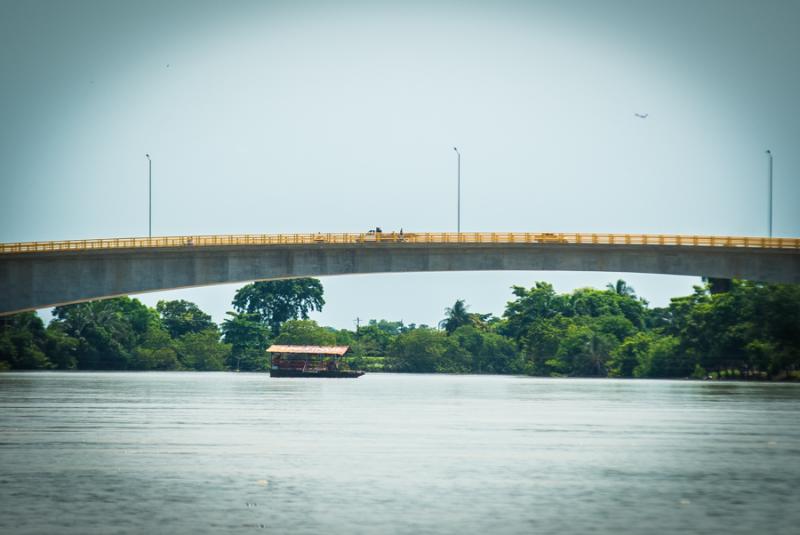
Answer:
(43, 274)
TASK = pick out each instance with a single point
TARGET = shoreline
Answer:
(786, 380)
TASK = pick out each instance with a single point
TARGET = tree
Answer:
(156, 351)
(278, 301)
(628, 357)
(248, 339)
(417, 351)
(375, 338)
(540, 345)
(22, 337)
(456, 316)
(181, 317)
(713, 330)
(621, 288)
(454, 358)
(202, 351)
(583, 352)
(305, 333)
(60, 348)
(485, 352)
(663, 359)
(775, 319)
(619, 327)
(107, 331)
(540, 302)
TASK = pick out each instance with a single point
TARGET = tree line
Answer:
(724, 329)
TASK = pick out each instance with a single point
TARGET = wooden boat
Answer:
(310, 361)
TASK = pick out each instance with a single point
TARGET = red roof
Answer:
(312, 350)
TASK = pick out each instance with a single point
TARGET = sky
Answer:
(282, 117)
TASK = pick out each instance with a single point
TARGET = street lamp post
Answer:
(150, 196)
(769, 154)
(458, 225)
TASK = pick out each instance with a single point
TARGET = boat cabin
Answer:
(309, 361)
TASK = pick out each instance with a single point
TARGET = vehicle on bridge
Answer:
(309, 361)
(549, 237)
(378, 235)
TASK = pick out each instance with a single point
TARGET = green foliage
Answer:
(627, 356)
(572, 334)
(597, 303)
(662, 359)
(202, 351)
(366, 363)
(647, 354)
(21, 339)
(157, 351)
(621, 288)
(248, 339)
(419, 351)
(456, 316)
(182, 317)
(618, 327)
(107, 332)
(113, 334)
(60, 348)
(730, 329)
(486, 352)
(531, 306)
(275, 302)
(376, 337)
(583, 351)
(745, 322)
(540, 344)
(392, 328)
(343, 337)
(305, 333)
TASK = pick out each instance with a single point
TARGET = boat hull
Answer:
(352, 374)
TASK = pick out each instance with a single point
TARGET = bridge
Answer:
(44, 274)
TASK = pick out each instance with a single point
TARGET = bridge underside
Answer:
(37, 280)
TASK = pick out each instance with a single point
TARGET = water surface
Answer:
(243, 453)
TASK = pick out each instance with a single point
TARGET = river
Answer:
(402, 454)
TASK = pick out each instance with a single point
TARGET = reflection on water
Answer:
(216, 452)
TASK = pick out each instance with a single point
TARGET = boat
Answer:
(310, 361)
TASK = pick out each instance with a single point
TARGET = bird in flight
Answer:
(641, 115)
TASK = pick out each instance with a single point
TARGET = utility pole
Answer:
(358, 324)
(150, 196)
(458, 225)
(769, 154)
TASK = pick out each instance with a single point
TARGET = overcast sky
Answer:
(267, 117)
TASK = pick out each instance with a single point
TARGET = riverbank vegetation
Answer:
(723, 329)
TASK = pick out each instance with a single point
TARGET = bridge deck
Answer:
(409, 237)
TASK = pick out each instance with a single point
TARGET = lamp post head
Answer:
(148, 156)
(769, 152)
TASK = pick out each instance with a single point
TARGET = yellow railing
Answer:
(542, 238)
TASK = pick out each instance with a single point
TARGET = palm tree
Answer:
(621, 288)
(457, 316)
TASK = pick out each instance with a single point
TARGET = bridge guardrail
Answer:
(565, 238)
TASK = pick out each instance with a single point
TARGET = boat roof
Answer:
(313, 350)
